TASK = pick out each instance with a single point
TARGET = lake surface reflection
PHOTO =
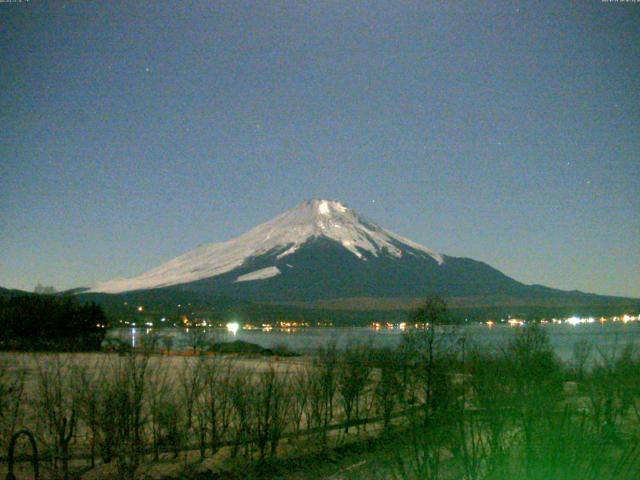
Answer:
(608, 337)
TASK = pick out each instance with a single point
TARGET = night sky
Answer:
(508, 132)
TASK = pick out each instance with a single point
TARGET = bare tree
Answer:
(420, 456)
(426, 346)
(326, 365)
(197, 337)
(535, 377)
(149, 341)
(271, 403)
(87, 385)
(167, 342)
(610, 388)
(216, 403)
(242, 397)
(12, 382)
(352, 377)
(581, 354)
(170, 424)
(159, 386)
(387, 390)
(469, 435)
(300, 390)
(121, 414)
(191, 382)
(492, 395)
(57, 407)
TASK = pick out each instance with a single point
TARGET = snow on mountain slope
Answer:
(261, 274)
(283, 235)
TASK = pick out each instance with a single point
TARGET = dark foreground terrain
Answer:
(435, 408)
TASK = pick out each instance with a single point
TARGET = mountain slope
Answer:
(322, 269)
(321, 251)
(13, 292)
(279, 238)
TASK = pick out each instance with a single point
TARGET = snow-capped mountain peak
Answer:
(283, 235)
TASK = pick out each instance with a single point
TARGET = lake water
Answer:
(606, 337)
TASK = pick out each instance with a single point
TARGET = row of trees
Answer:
(518, 412)
(122, 409)
(449, 409)
(40, 322)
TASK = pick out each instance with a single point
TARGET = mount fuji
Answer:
(322, 252)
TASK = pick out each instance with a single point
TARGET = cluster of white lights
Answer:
(578, 320)
(574, 320)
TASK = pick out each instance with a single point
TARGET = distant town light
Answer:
(233, 327)
(574, 320)
(140, 308)
(578, 320)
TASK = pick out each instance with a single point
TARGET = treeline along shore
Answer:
(50, 322)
